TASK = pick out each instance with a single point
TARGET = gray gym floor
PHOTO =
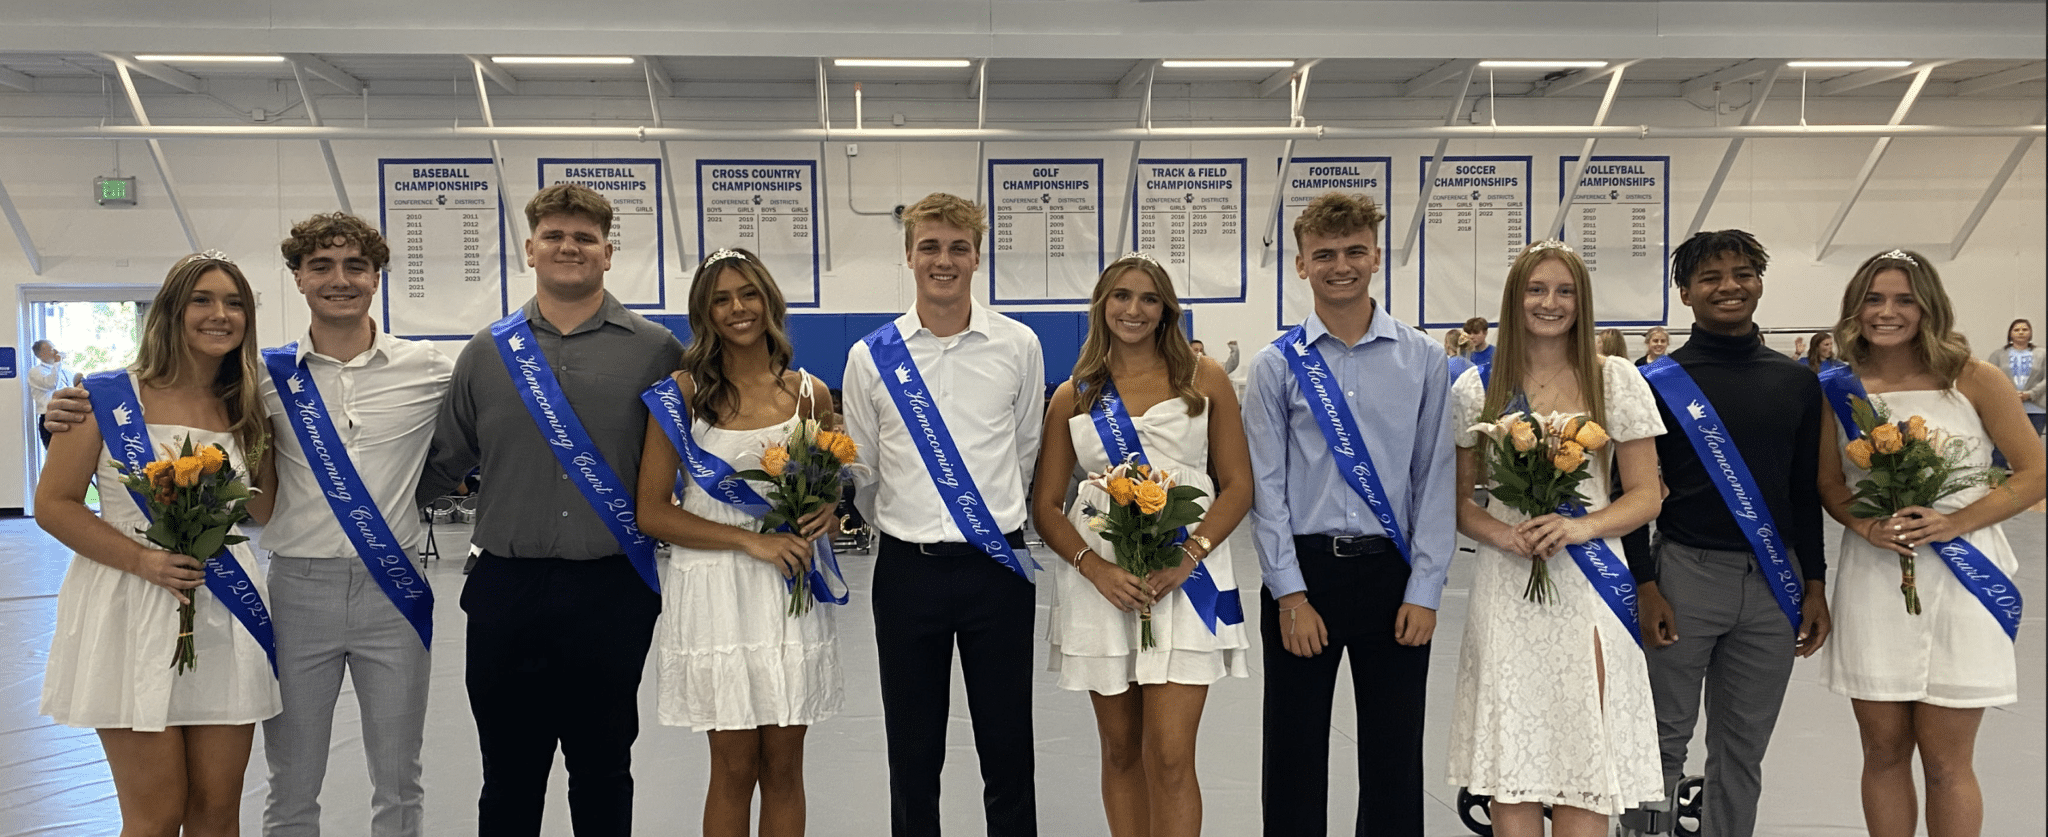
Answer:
(54, 780)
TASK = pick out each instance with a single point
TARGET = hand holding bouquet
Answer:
(1910, 466)
(1537, 463)
(805, 473)
(195, 498)
(1145, 521)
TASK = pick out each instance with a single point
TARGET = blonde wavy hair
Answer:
(1941, 349)
(161, 358)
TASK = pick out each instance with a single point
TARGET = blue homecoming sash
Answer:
(1340, 430)
(1120, 440)
(563, 431)
(1608, 573)
(1971, 566)
(343, 487)
(119, 412)
(664, 402)
(1710, 441)
(905, 385)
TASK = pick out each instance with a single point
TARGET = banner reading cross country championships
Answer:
(1620, 224)
(769, 207)
(1189, 214)
(1309, 178)
(639, 266)
(1045, 227)
(446, 229)
(1476, 223)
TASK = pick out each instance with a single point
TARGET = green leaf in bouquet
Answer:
(755, 474)
(1186, 493)
(208, 543)
(773, 519)
(1178, 515)
(161, 532)
(1864, 509)
(231, 540)
(1509, 478)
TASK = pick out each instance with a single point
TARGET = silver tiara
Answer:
(721, 254)
(1141, 256)
(1551, 244)
(210, 255)
(1899, 256)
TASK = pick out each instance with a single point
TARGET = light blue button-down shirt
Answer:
(1398, 387)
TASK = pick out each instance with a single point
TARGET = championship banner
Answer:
(446, 228)
(638, 235)
(769, 207)
(1620, 224)
(1475, 224)
(1189, 214)
(1045, 225)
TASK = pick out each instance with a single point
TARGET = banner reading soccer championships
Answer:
(1045, 226)
(1476, 223)
(1189, 214)
(1620, 224)
(639, 235)
(446, 229)
(769, 207)
(1307, 179)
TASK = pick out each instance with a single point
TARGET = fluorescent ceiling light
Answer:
(236, 59)
(1213, 64)
(561, 59)
(1816, 65)
(1539, 65)
(928, 63)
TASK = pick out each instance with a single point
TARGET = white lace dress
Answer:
(110, 660)
(728, 656)
(1530, 724)
(1096, 647)
(1954, 653)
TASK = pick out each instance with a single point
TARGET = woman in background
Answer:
(1612, 344)
(1820, 352)
(2025, 364)
(1456, 345)
(1656, 342)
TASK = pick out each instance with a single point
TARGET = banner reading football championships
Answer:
(1189, 215)
(769, 207)
(1045, 227)
(1620, 224)
(1309, 178)
(639, 265)
(446, 229)
(1476, 223)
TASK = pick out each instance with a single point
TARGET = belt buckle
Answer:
(933, 549)
(1348, 547)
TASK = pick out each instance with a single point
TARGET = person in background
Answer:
(1656, 342)
(1611, 344)
(1919, 682)
(1820, 352)
(1229, 361)
(1455, 354)
(44, 378)
(2020, 360)
(1475, 341)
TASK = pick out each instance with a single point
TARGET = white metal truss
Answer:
(156, 152)
(1827, 236)
(1436, 164)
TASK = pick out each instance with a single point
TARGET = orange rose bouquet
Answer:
(1147, 511)
(1537, 463)
(1909, 464)
(195, 498)
(804, 473)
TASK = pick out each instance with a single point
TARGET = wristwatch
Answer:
(1207, 546)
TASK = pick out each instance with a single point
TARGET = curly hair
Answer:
(335, 229)
(1338, 214)
(1687, 258)
(945, 209)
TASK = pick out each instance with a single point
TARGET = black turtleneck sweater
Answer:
(1772, 407)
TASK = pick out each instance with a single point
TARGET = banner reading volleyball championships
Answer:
(1307, 179)
(1045, 227)
(769, 207)
(639, 268)
(1620, 224)
(1476, 223)
(446, 229)
(1189, 214)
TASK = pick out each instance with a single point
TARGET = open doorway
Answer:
(92, 328)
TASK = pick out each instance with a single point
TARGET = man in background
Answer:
(44, 378)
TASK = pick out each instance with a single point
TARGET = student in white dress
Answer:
(1921, 682)
(1185, 412)
(177, 744)
(729, 659)
(1554, 702)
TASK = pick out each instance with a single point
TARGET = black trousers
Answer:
(42, 432)
(555, 652)
(1358, 599)
(924, 605)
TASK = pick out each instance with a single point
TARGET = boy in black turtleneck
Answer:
(1708, 614)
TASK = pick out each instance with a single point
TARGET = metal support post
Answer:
(1436, 163)
(520, 232)
(326, 146)
(156, 152)
(1827, 237)
(1571, 189)
(1756, 107)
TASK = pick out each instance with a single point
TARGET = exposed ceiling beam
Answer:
(652, 66)
(327, 72)
(1980, 84)
(495, 73)
(1443, 73)
(160, 72)
(17, 80)
(1729, 75)
(1878, 75)
(974, 82)
(1278, 81)
(1135, 79)
(1572, 80)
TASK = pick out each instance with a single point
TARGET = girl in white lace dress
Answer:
(177, 744)
(1921, 682)
(1553, 703)
(730, 660)
(1148, 702)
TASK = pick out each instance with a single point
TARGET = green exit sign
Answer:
(114, 191)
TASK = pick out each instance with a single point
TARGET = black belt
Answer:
(485, 553)
(1016, 540)
(1346, 546)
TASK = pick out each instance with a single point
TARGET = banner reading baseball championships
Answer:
(446, 229)
(1620, 224)
(1476, 223)
(1189, 214)
(1045, 226)
(766, 206)
(1307, 179)
(639, 266)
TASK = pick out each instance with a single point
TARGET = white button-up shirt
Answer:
(989, 385)
(383, 403)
